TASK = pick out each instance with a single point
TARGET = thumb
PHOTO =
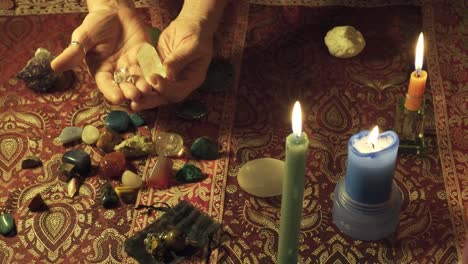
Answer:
(177, 61)
(72, 55)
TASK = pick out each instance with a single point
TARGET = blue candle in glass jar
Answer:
(371, 166)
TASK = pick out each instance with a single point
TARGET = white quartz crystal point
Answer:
(344, 41)
(72, 187)
(150, 62)
(262, 177)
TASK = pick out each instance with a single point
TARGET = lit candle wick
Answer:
(372, 145)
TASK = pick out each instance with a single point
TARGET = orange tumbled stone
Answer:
(160, 174)
(112, 165)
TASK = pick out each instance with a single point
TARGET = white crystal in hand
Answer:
(150, 62)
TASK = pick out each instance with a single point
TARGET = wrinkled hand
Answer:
(112, 38)
(186, 48)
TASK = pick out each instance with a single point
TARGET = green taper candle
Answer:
(297, 145)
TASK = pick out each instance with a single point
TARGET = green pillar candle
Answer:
(297, 145)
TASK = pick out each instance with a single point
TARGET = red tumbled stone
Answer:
(112, 165)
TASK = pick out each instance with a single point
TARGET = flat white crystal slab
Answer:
(262, 177)
(150, 62)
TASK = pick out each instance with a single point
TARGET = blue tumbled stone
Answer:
(117, 120)
(80, 159)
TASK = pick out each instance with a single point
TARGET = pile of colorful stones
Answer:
(118, 147)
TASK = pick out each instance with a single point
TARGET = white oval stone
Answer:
(262, 177)
(90, 134)
(131, 179)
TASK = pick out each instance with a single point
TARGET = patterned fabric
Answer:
(279, 56)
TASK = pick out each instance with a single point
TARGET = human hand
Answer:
(112, 37)
(186, 49)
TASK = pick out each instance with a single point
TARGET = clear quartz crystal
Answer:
(120, 75)
(409, 125)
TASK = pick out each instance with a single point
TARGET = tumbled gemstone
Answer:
(37, 204)
(161, 173)
(262, 177)
(136, 146)
(67, 171)
(7, 224)
(80, 159)
(150, 62)
(137, 120)
(204, 148)
(117, 120)
(73, 186)
(90, 134)
(37, 74)
(109, 197)
(108, 139)
(191, 110)
(70, 134)
(219, 77)
(168, 144)
(121, 75)
(30, 162)
(112, 165)
(128, 195)
(131, 179)
(190, 173)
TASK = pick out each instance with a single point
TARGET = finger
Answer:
(72, 55)
(172, 91)
(177, 61)
(110, 90)
(129, 88)
(152, 100)
(140, 83)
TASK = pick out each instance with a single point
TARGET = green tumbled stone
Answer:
(109, 196)
(220, 76)
(204, 148)
(190, 173)
(137, 120)
(70, 134)
(117, 120)
(191, 110)
(30, 162)
(7, 224)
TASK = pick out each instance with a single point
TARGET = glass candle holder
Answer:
(409, 125)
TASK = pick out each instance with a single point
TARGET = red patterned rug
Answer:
(279, 55)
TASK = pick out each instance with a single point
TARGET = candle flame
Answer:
(297, 119)
(419, 53)
(374, 134)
